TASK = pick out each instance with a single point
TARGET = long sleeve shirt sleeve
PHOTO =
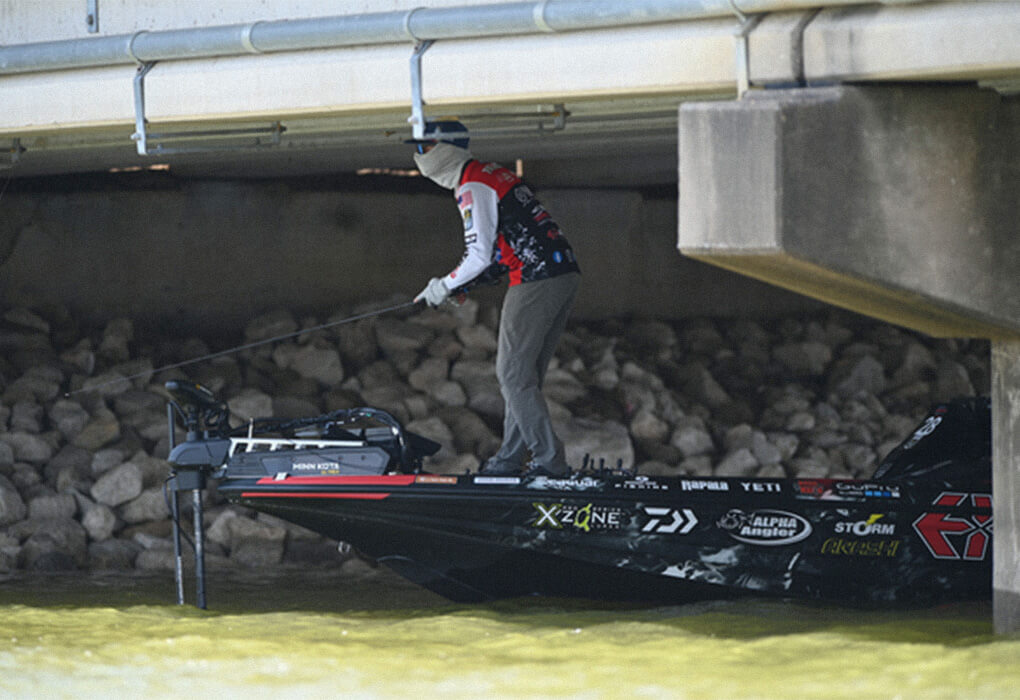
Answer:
(479, 209)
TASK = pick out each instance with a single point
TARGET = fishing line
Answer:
(247, 346)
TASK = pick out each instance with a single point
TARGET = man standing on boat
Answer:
(507, 231)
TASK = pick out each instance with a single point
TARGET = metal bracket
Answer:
(92, 15)
(142, 137)
(741, 52)
(14, 152)
(558, 113)
(559, 116)
(417, 118)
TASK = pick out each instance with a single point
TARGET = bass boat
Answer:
(917, 533)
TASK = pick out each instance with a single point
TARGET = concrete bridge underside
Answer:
(872, 164)
(345, 98)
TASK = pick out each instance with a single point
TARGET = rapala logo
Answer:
(952, 537)
(669, 521)
(769, 528)
(703, 485)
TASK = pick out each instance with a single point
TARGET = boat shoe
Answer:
(499, 467)
(535, 469)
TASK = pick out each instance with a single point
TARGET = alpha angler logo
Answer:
(769, 528)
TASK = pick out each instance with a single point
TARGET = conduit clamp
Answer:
(740, 50)
(417, 118)
(92, 16)
(141, 137)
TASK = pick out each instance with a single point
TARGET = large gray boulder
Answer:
(12, 508)
(99, 522)
(59, 505)
(28, 447)
(113, 555)
(55, 544)
(255, 544)
(101, 430)
(692, 438)
(119, 485)
(68, 417)
(148, 506)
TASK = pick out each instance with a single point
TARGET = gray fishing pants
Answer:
(533, 318)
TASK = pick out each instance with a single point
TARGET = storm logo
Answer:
(864, 528)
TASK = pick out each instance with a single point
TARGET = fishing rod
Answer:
(246, 346)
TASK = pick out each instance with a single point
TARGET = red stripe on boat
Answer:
(391, 480)
(325, 494)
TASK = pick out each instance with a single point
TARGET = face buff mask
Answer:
(443, 164)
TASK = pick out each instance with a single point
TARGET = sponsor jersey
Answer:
(506, 231)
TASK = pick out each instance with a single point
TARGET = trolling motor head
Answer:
(200, 410)
(207, 422)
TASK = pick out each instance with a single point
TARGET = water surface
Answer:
(368, 634)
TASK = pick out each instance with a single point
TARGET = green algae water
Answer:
(368, 634)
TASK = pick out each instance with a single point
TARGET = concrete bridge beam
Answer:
(896, 202)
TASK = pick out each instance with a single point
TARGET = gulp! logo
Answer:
(950, 537)
(928, 428)
(669, 521)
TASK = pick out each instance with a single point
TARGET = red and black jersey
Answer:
(506, 230)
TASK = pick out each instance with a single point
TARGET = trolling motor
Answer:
(204, 448)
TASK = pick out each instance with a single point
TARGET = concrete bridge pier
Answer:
(1006, 485)
(899, 202)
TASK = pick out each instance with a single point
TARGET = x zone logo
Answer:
(973, 532)
(587, 517)
(661, 521)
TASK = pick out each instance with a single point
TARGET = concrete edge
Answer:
(859, 295)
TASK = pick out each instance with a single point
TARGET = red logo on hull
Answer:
(953, 537)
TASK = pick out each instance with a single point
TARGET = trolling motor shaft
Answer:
(193, 460)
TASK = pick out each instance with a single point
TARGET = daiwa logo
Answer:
(669, 521)
(769, 528)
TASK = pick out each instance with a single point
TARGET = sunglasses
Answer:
(422, 145)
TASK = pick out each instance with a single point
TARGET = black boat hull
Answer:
(611, 536)
(918, 533)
